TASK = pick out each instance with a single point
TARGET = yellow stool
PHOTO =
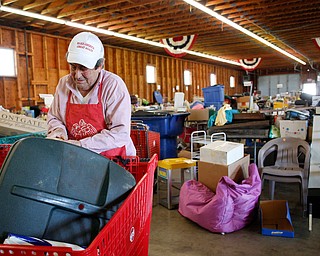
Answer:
(165, 168)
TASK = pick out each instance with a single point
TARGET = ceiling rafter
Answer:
(290, 25)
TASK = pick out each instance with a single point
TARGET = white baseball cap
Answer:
(85, 49)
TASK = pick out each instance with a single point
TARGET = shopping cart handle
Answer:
(60, 201)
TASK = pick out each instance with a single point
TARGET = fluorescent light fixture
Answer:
(31, 15)
(243, 30)
(109, 33)
(207, 56)
(88, 28)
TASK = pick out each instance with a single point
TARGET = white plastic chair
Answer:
(291, 164)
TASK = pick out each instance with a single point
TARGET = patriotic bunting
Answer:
(317, 41)
(250, 64)
(176, 44)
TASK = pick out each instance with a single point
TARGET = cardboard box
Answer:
(275, 218)
(222, 152)
(14, 124)
(185, 154)
(209, 174)
(294, 128)
(198, 115)
(243, 102)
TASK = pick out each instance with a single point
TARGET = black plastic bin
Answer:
(58, 191)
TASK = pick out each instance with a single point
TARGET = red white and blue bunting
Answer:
(176, 44)
(250, 64)
(317, 41)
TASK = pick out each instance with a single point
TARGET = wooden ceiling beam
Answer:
(155, 10)
(105, 5)
(57, 6)
(6, 2)
(36, 4)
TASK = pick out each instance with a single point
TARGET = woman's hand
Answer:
(58, 133)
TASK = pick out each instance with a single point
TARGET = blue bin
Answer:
(168, 148)
(169, 125)
(217, 104)
(213, 94)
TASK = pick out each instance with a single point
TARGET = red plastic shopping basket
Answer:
(126, 234)
(147, 142)
(4, 149)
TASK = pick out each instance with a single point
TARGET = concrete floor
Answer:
(173, 234)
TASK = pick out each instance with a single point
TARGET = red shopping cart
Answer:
(127, 232)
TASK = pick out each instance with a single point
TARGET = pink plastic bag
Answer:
(230, 209)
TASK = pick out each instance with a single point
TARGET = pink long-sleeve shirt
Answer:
(116, 109)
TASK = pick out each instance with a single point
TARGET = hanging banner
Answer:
(176, 44)
(250, 64)
(316, 41)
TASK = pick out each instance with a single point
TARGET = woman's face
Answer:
(84, 78)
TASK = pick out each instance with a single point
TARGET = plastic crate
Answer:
(217, 104)
(147, 142)
(126, 234)
(169, 125)
(4, 149)
(13, 139)
(6, 142)
(213, 94)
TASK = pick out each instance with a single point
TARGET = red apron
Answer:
(86, 120)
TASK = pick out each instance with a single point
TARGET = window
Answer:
(187, 77)
(309, 88)
(213, 79)
(232, 82)
(8, 62)
(151, 74)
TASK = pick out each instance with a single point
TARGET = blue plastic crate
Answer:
(213, 94)
(13, 139)
(167, 125)
(217, 104)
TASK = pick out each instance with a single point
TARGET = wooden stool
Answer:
(165, 168)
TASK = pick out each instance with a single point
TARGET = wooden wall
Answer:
(41, 62)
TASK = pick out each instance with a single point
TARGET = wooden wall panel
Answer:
(8, 38)
(62, 46)
(20, 42)
(45, 55)
(38, 52)
(22, 79)
(52, 53)
(10, 91)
